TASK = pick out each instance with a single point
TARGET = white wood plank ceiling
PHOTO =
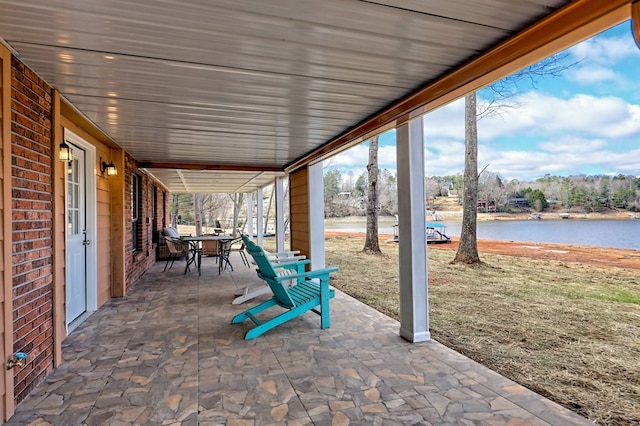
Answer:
(240, 83)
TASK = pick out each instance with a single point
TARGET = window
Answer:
(154, 213)
(136, 211)
(164, 208)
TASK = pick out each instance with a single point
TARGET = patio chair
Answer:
(177, 249)
(210, 248)
(284, 262)
(309, 291)
(224, 250)
(240, 249)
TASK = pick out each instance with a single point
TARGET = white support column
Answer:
(414, 306)
(279, 188)
(316, 216)
(260, 218)
(250, 214)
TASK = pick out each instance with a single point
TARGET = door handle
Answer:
(86, 242)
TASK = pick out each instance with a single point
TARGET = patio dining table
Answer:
(196, 251)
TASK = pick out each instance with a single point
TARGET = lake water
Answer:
(599, 233)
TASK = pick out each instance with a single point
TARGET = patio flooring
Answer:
(167, 354)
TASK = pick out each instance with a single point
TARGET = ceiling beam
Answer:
(212, 167)
(571, 24)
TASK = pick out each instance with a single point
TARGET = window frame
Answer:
(136, 211)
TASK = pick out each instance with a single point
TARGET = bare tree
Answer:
(371, 244)
(214, 206)
(181, 206)
(197, 213)
(237, 205)
(468, 248)
(498, 99)
(268, 212)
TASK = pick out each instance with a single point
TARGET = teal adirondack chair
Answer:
(309, 291)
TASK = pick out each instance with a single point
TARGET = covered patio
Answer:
(167, 354)
(231, 96)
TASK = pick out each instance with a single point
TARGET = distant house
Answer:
(486, 205)
(519, 203)
(453, 193)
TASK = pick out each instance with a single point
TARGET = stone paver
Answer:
(167, 354)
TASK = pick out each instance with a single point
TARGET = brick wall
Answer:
(33, 228)
(138, 262)
(32, 224)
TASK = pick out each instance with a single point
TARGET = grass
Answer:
(568, 331)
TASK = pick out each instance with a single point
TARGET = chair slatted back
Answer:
(267, 272)
(172, 246)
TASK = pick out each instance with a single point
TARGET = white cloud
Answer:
(572, 144)
(578, 133)
(353, 157)
(445, 122)
(443, 156)
(358, 157)
(598, 57)
(559, 156)
(587, 115)
(604, 50)
(592, 74)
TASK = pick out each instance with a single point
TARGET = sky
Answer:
(585, 121)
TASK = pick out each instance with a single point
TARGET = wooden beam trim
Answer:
(59, 233)
(635, 21)
(530, 43)
(6, 283)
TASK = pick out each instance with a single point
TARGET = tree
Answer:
(491, 190)
(214, 207)
(537, 199)
(237, 205)
(468, 248)
(360, 186)
(181, 206)
(498, 94)
(331, 189)
(197, 213)
(371, 244)
(387, 193)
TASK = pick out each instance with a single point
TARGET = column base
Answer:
(421, 336)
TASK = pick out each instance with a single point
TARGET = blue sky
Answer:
(586, 121)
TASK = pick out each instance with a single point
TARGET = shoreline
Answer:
(602, 256)
(456, 216)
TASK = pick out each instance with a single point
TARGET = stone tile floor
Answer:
(167, 355)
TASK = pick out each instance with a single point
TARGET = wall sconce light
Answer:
(109, 168)
(65, 152)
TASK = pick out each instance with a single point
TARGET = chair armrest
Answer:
(291, 264)
(182, 245)
(283, 260)
(311, 274)
(282, 254)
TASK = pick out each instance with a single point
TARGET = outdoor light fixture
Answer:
(109, 168)
(65, 152)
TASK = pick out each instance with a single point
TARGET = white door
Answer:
(76, 285)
